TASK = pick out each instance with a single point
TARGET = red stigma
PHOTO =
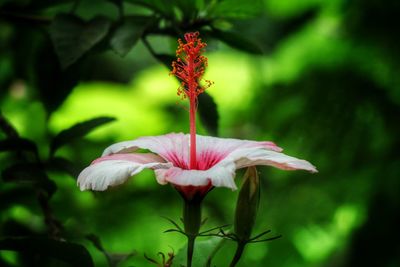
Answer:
(190, 66)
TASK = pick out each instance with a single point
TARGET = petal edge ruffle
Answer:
(114, 170)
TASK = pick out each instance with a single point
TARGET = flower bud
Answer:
(247, 204)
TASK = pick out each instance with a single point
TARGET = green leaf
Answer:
(208, 113)
(17, 195)
(34, 5)
(128, 33)
(63, 165)
(96, 242)
(165, 59)
(236, 40)
(32, 173)
(7, 128)
(118, 3)
(77, 131)
(203, 253)
(162, 7)
(72, 37)
(236, 9)
(70, 253)
(201, 4)
(18, 144)
(24, 172)
(53, 83)
(188, 8)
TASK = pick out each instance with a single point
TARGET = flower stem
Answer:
(190, 250)
(192, 223)
(192, 117)
(238, 253)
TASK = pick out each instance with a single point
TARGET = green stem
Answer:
(190, 250)
(238, 253)
(192, 223)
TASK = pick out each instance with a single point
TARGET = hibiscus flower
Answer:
(217, 161)
(192, 163)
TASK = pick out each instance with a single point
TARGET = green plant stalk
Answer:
(192, 223)
(190, 250)
(238, 253)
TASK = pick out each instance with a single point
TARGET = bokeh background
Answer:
(320, 78)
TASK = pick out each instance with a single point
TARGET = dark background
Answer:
(319, 78)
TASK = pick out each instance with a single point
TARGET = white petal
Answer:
(162, 144)
(256, 156)
(211, 150)
(228, 145)
(219, 177)
(111, 171)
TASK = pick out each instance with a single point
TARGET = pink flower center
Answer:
(205, 160)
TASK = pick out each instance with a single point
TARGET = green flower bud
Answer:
(247, 204)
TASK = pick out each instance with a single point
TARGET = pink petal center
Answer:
(209, 155)
(209, 158)
(177, 160)
(205, 160)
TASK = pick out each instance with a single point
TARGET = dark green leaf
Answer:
(95, 241)
(18, 144)
(34, 5)
(71, 253)
(24, 172)
(165, 59)
(53, 83)
(21, 195)
(162, 7)
(63, 165)
(236, 9)
(128, 33)
(188, 8)
(208, 113)
(48, 186)
(7, 128)
(77, 131)
(72, 37)
(236, 40)
(31, 173)
(118, 3)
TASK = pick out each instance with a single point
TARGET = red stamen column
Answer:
(189, 69)
(192, 117)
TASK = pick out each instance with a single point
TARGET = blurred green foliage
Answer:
(320, 78)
